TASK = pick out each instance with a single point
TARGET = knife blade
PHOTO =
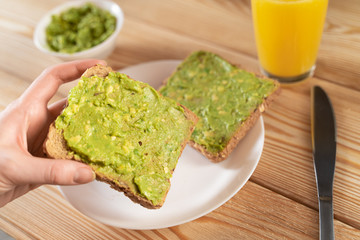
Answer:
(323, 135)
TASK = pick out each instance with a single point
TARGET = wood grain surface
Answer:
(280, 200)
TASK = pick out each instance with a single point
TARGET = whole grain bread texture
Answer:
(55, 146)
(184, 74)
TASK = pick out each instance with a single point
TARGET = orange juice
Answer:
(288, 34)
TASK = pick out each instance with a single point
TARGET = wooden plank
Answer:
(288, 169)
(253, 213)
(276, 218)
(338, 59)
(26, 62)
(144, 43)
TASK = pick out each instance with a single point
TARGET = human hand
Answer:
(24, 125)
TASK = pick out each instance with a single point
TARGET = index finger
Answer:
(46, 85)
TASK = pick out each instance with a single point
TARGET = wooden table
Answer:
(279, 201)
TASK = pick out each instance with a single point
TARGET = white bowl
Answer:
(99, 51)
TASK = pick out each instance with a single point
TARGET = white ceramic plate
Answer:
(198, 186)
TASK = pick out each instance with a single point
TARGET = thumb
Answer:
(55, 171)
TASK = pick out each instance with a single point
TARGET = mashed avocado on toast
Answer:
(127, 132)
(222, 95)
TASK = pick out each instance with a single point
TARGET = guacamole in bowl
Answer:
(80, 29)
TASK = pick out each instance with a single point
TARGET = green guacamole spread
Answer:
(79, 28)
(125, 128)
(220, 94)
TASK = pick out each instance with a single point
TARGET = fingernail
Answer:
(84, 175)
(103, 62)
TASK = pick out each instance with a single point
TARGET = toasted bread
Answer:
(56, 146)
(227, 100)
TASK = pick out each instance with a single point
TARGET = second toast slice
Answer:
(227, 100)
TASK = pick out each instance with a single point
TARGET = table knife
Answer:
(323, 134)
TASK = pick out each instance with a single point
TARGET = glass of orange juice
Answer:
(288, 35)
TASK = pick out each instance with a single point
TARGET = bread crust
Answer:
(55, 147)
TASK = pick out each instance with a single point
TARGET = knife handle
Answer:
(326, 219)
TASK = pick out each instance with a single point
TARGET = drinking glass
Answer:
(288, 35)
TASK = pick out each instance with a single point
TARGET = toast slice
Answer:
(129, 134)
(227, 100)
